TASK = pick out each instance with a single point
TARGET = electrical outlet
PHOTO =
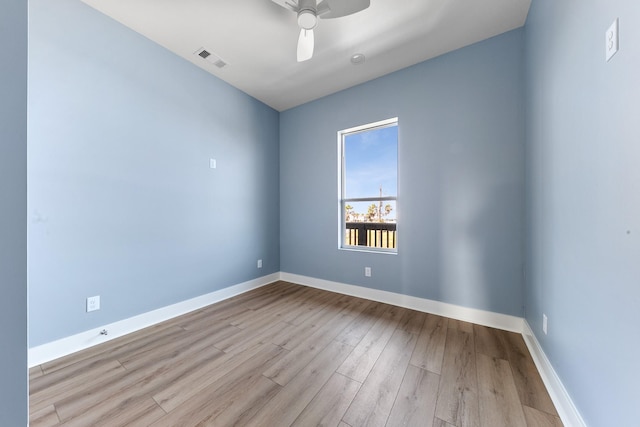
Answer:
(544, 323)
(367, 271)
(259, 263)
(93, 303)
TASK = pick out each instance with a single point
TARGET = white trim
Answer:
(567, 411)
(393, 121)
(65, 346)
(564, 405)
(481, 317)
(386, 123)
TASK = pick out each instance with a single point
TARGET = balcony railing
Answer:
(371, 234)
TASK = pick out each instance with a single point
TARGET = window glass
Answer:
(369, 186)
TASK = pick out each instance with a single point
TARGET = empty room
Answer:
(339, 213)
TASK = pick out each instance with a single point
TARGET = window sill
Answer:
(369, 250)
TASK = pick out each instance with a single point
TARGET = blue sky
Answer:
(371, 161)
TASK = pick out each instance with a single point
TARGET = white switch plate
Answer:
(611, 40)
(93, 303)
(544, 323)
(212, 163)
(367, 271)
(259, 263)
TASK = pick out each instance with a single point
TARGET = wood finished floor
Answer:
(288, 355)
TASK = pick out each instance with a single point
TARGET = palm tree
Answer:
(387, 209)
(372, 213)
(349, 212)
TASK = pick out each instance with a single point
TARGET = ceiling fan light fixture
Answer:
(307, 19)
(309, 11)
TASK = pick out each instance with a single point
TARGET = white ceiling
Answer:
(257, 39)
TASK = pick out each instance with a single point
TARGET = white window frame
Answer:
(342, 201)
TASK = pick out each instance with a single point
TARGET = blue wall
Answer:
(460, 186)
(583, 201)
(122, 202)
(13, 213)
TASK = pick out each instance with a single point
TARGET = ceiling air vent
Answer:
(210, 57)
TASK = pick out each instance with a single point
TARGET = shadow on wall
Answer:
(479, 237)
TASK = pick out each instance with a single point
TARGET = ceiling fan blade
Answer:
(286, 4)
(328, 9)
(305, 45)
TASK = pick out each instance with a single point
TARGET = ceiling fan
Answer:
(308, 13)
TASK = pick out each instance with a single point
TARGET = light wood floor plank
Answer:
(292, 337)
(152, 334)
(458, 391)
(70, 373)
(429, 351)
(35, 372)
(312, 301)
(137, 385)
(300, 315)
(498, 397)
(461, 325)
(354, 333)
(412, 321)
(284, 370)
(205, 318)
(45, 417)
(490, 341)
(148, 346)
(366, 353)
(536, 418)
(531, 389)
(62, 388)
(233, 406)
(330, 404)
(283, 290)
(374, 401)
(222, 311)
(237, 407)
(249, 337)
(129, 413)
(437, 422)
(287, 405)
(200, 339)
(205, 377)
(415, 404)
(113, 349)
(236, 385)
(275, 310)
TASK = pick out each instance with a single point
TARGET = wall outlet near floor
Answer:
(259, 263)
(367, 271)
(544, 323)
(93, 303)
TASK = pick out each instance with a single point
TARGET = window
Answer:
(369, 186)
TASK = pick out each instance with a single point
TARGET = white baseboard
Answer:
(561, 399)
(65, 346)
(564, 405)
(481, 317)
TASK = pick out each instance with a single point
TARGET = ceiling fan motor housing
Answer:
(309, 11)
(307, 14)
